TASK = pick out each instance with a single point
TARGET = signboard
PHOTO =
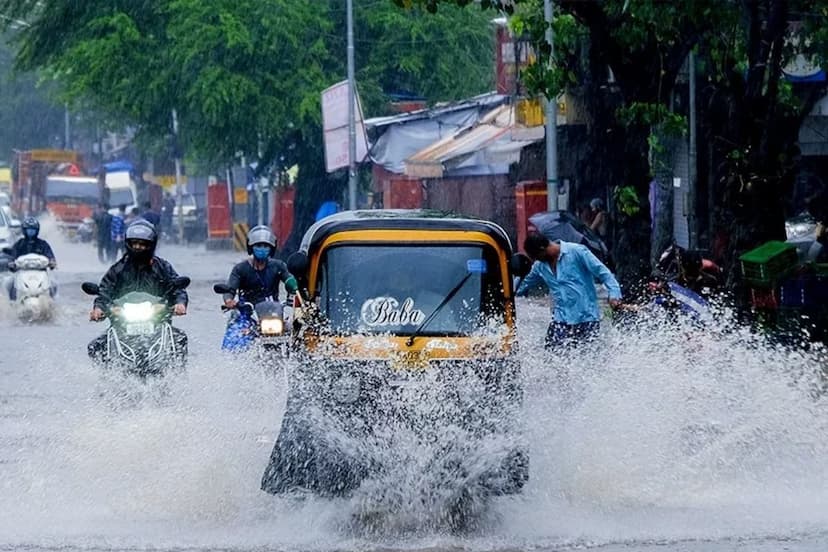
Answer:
(164, 180)
(239, 195)
(335, 127)
(54, 156)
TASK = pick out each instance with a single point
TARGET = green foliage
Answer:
(626, 199)
(244, 75)
(653, 115)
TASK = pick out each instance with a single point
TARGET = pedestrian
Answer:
(132, 215)
(117, 229)
(151, 216)
(817, 206)
(598, 217)
(103, 229)
(167, 210)
(569, 271)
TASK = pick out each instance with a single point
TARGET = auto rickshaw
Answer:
(408, 325)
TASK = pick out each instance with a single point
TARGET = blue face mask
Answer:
(261, 252)
(30, 232)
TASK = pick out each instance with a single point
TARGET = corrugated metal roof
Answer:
(489, 99)
(494, 132)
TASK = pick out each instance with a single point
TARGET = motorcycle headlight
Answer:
(272, 326)
(346, 388)
(138, 312)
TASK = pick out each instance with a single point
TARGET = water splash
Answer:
(658, 432)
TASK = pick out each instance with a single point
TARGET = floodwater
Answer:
(660, 437)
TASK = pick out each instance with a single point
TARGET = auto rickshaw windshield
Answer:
(394, 288)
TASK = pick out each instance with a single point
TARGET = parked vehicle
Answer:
(408, 325)
(9, 233)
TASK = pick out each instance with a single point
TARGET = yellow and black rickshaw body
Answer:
(408, 321)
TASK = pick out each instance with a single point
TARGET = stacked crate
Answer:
(765, 268)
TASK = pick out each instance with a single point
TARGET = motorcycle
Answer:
(32, 290)
(263, 323)
(86, 231)
(140, 339)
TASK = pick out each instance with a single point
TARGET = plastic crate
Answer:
(807, 290)
(769, 263)
(764, 298)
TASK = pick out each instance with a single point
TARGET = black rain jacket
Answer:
(126, 276)
(24, 246)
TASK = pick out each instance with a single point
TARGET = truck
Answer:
(121, 190)
(70, 200)
(30, 171)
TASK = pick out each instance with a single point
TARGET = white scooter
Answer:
(33, 288)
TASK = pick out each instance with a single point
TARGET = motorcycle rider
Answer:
(30, 243)
(138, 270)
(257, 278)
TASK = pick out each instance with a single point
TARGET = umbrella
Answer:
(564, 226)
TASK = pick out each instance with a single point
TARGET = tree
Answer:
(28, 118)
(752, 115)
(246, 75)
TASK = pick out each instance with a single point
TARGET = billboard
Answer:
(335, 127)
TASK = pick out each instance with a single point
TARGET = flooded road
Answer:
(661, 438)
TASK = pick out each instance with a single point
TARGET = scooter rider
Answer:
(138, 270)
(31, 243)
(257, 278)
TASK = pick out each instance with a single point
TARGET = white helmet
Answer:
(260, 234)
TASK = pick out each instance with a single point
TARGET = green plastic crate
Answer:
(769, 263)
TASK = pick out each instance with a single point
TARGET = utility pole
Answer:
(259, 188)
(67, 137)
(692, 200)
(352, 176)
(179, 194)
(551, 112)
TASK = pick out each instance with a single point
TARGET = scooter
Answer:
(263, 323)
(140, 340)
(32, 290)
(86, 231)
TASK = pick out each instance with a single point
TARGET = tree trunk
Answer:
(314, 186)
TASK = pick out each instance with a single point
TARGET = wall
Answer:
(488, 197)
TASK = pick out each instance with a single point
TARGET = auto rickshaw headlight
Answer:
(272, 326)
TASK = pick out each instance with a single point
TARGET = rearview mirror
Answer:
(222, 289)
(90, 289)
(520, 265)
(298, 264)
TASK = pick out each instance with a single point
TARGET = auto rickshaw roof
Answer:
(400, 219)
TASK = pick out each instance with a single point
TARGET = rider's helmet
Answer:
(141, 239)
(261, 242)
(30, 227)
